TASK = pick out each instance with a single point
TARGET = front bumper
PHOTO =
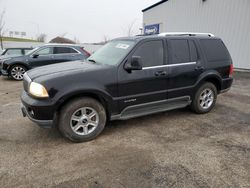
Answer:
(39, 111)
(4, 72)
(41, 123)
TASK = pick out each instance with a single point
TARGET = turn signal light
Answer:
(231, 70)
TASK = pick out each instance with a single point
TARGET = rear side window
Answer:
(14, 52)
(180, 51)
(151, 53)
(64, 50)
(215, 50)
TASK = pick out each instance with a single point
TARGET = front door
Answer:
(42, 57)
(147, 85)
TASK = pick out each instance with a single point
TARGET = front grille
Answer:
(26, 82)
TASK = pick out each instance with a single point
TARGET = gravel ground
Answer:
(171, 149)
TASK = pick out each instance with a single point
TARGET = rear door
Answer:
(64, 54)
(146, 85)
(184, 67)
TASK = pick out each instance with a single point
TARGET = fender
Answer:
(100, 95)
(209, 74)
(17, 63)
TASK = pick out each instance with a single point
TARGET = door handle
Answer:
(199, 68)
(160, 73)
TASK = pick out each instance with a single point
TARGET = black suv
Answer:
(128, 78)
(15, 67)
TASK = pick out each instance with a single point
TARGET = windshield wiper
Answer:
(92, 60)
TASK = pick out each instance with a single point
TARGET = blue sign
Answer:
(152, 29)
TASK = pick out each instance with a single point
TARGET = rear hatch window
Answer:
(215, 50)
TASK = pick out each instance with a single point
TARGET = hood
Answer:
(70, 67)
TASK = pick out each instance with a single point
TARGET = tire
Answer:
(82, 119)
(17, 71)
(203, 102)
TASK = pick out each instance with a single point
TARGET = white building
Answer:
(228, 19)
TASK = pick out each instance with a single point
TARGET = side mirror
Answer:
(134, 64)
(35, 55)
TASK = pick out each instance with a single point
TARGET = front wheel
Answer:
(17, 72)
(82, 119)
(205, 98)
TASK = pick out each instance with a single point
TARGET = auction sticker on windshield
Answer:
(122, 46)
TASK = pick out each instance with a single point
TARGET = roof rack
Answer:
(186, 33)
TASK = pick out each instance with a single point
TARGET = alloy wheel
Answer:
(17, 72)
(84, 121)
(206, 98)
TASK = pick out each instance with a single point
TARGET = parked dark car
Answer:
(9, 52)
(15, 67)
(128, 78)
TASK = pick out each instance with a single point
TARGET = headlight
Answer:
(38, 90)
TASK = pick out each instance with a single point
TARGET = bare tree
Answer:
(76, 40)
(41, 37)
(2, 24)
(129, 30)
(105, 39)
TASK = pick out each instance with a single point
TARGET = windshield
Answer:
(112, 53)
(32, 51)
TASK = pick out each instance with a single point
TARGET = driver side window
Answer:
(151, 53)
(45, 51)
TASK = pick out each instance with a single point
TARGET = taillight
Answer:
(86, 52)
(231, 70)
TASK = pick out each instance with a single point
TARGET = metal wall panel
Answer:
(228, 19)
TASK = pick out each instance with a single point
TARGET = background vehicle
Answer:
(127, 78)
(48, 54)
(10, 52)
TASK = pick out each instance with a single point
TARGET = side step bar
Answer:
(151, 108)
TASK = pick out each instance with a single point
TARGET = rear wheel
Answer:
(205, 98)
(17, 72)
(82, 119)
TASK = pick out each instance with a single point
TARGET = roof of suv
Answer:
(172, 34)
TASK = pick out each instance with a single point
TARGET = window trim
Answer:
(170, 65)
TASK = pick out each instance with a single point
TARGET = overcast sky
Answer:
(87, 20)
